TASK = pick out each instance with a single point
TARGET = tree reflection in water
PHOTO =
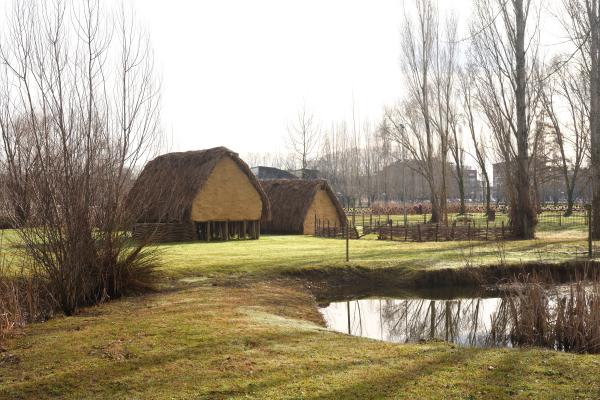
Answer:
(468, 322)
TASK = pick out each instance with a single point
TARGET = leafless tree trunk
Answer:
(467, 86)
(84, 84)
(593, 14)
(509, 93)
(583, 26)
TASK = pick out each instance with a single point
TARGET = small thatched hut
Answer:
(296, 203)
(203, 195)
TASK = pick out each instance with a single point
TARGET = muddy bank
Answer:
(355, 282)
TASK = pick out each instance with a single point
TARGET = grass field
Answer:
(232, 328)
(273, 255)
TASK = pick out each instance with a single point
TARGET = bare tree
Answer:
(84, 82)
(583, 26)
(468, 100)
(411, 126)
(508, 93)
(304, 137)
(566, 89)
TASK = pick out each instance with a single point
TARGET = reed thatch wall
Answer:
(324, 208)
(227, 195)
(171, 185)
(294, 203)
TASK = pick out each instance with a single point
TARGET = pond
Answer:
(471, 321)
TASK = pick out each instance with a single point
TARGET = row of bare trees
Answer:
(488, 97)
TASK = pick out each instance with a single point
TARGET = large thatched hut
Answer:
(198, 195)
(297, 203)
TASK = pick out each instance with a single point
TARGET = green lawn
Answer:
(273, 255)
(256, 336)
(263, 341)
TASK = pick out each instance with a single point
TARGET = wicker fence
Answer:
(324, 229)
(439, 232)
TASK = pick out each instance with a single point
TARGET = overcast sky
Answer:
(235, 72)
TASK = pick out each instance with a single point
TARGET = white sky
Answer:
(235, 72)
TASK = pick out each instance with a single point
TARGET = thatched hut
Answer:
(297, 203)
(203, 195)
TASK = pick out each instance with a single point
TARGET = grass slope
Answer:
(263, 341)
(262, 337)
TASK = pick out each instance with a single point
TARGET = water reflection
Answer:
(467, 322)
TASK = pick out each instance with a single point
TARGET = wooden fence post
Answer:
(419, 231)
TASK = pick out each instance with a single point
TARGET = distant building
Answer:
(307, 173)
(550, 184)
(499, 182)
(268, 173)
(471, 184)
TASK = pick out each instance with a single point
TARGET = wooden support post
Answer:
(487, 227)
(590, 242)
(226, 230)
(419, 231)
(208, 232)
(437, 227)
(258, 229)
(315, 226)
(502, 230)
(347, 243)
(245, 229)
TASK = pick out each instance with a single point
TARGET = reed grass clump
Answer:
(562, 317)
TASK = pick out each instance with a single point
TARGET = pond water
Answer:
(560, 317)
(469, 321)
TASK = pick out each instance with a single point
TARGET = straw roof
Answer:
(290, 200)
(167, 186)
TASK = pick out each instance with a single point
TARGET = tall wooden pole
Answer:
(347, 243)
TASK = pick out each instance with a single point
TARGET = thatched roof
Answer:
(165, 189)
(290, 200)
